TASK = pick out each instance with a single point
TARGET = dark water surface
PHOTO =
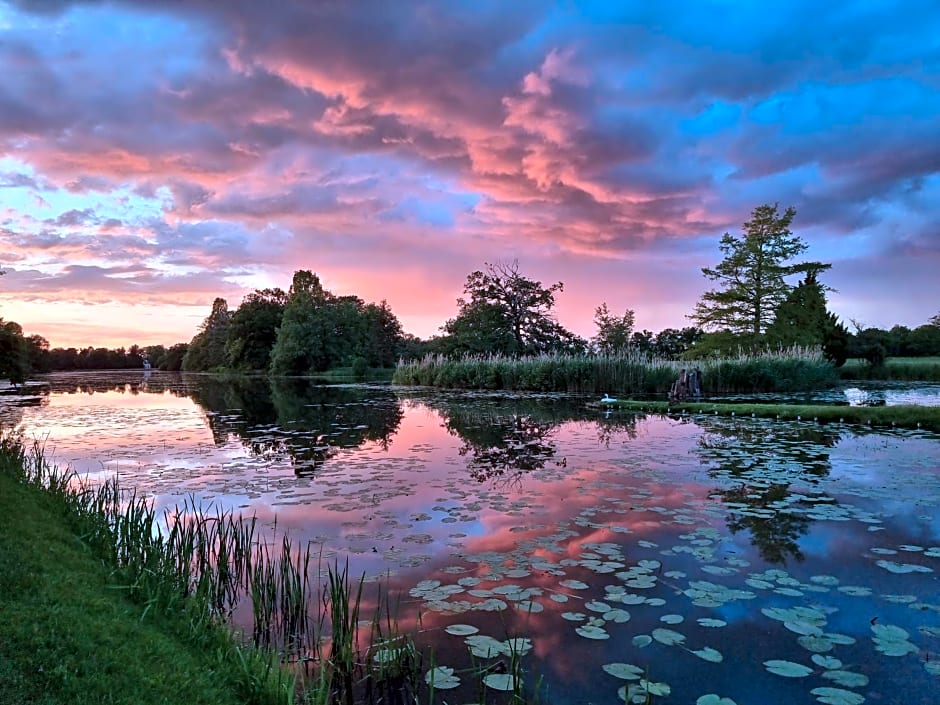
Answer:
(702, 557)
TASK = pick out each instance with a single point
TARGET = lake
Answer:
(690, 558)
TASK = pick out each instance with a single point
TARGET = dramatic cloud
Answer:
(170, 152)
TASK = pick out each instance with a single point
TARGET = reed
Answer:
(897, 369)
(788, 370)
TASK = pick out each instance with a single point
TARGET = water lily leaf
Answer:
(461, 629)
(500, 681)
(625, 671)
(827, 662)
(933, 667)
(712, 699)
(788, 669)
(574, 585)
(617, 616)
(574, 616)
(668, 637)
(816, 644)
(661, 689)
(483, 646)
(596, 606)
(442, 678)
(709, 654)
(893, 567)
(589, 631)
(712, 623)
(672, 618)
(804, 628)
(837, 696)
(519, 646)
(847, 679)
(642, 640)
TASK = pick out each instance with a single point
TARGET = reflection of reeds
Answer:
(793, 369)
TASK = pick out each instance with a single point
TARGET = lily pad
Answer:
(442, 678)
(589, 631)
(461, 629)
(788, 669)
(712, 623)
(712, 699)
(625, 671)
(500, 681)
(668, 637)
(642, 640)
(837, 696)
(847, 679)
(709, 654)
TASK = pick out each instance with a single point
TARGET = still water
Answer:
(695, 558)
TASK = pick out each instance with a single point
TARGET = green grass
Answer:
(631, 373)
(923, 417)
(897, 369)
(67, 635)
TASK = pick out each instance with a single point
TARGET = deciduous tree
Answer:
(508, 313)
(613, 332)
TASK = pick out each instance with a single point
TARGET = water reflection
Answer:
(295, 420)
(774, 468)
(652, 541)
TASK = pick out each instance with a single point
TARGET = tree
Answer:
(383, 335)
(934, 321)
(673, 343)
(14, 353)
(752, 274)
(207, 348)
(507, 313)
(252, 330)
(613, 332)
(318, 330)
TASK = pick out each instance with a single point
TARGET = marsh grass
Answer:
(789, 370)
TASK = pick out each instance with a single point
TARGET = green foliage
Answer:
(910, 369)
(382, 336)
(252, 330)
(507, 314)
(207, 348)
(752, 274)
(613, 332)
(14, 353)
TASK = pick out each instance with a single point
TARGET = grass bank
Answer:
(787, 371)
(895, 369)
(70, 633)
(923, 417)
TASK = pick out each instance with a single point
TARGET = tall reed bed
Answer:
(206, 564)
(793, 369)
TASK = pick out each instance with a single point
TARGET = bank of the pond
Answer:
(901, 416)
(631, 373)
(69, 634)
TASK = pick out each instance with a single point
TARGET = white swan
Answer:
(607, 399)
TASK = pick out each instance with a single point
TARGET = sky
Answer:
(156, 154)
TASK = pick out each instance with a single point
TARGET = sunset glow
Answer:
(155, 155)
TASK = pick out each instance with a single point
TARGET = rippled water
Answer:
(762, 561)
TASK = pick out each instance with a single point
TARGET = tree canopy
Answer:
(613, 332)
(753, 274)
(507, 313)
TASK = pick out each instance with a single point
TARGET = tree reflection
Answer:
(765, 460)
(296, 420)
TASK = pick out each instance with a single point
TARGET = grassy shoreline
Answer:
(70, 632)
(923, 417)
